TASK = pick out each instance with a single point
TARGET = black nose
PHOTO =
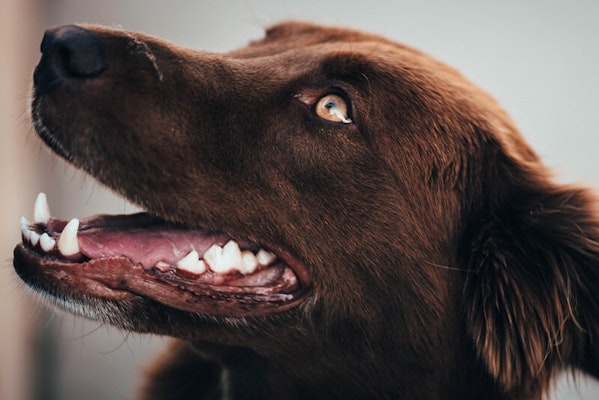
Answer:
(69, 52)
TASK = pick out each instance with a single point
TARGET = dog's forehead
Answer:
(296, 49)
(312, 33)
(295, 36)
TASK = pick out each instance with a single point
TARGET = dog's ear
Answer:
(531, 297)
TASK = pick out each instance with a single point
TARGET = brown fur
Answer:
(443, 261)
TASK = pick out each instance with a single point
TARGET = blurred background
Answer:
(540, 58)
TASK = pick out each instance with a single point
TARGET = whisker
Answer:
(446, 267)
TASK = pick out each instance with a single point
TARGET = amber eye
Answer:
(333, 107)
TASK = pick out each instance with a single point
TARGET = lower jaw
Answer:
(118, 279)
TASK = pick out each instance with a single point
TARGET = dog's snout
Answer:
(70, 51)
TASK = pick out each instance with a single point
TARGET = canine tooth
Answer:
(249, 262)
(192, 263)
(41, 210)
(68, 244)
(46, 242)
(34, 237)
(265, 257)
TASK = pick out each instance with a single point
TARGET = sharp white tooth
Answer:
(265, 257)
(231, 256)
(68, 244)
(201, 267)
(249, 262)
(34, 238)
(213, 257)
(41, 210)
(192, 263)
(25, 229)
(224, 259)
(46, 242)
(24, 222)
(188, 260)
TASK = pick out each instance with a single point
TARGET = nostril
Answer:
(73, 51)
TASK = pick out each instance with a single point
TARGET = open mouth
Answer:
(121, 256)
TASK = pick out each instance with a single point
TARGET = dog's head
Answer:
(318, 190)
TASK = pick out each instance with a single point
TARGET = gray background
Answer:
(539, 58)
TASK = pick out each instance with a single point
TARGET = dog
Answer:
(330, 215)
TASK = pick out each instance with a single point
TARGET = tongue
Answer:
(142, 238)
(145, 246)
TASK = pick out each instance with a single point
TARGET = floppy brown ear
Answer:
(531, 298)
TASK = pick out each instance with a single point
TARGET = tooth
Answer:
(24, 222)
(188, 260)
(162, 266)
(25, 228)
(192, 263)
(223, 259)
(212, 257)
(249, 262)
(41, 210)
(231, 255)
(200, 267)
(35, 238)
(265, 257)
(46, 242)
(68, 244)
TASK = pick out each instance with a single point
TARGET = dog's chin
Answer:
(126, 258)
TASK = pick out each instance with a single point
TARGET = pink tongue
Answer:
(146, 246)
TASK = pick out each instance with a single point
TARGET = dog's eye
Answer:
(333, 107)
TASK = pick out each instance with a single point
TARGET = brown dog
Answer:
(330, 215)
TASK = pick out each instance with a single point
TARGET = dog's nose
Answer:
(71, 52)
